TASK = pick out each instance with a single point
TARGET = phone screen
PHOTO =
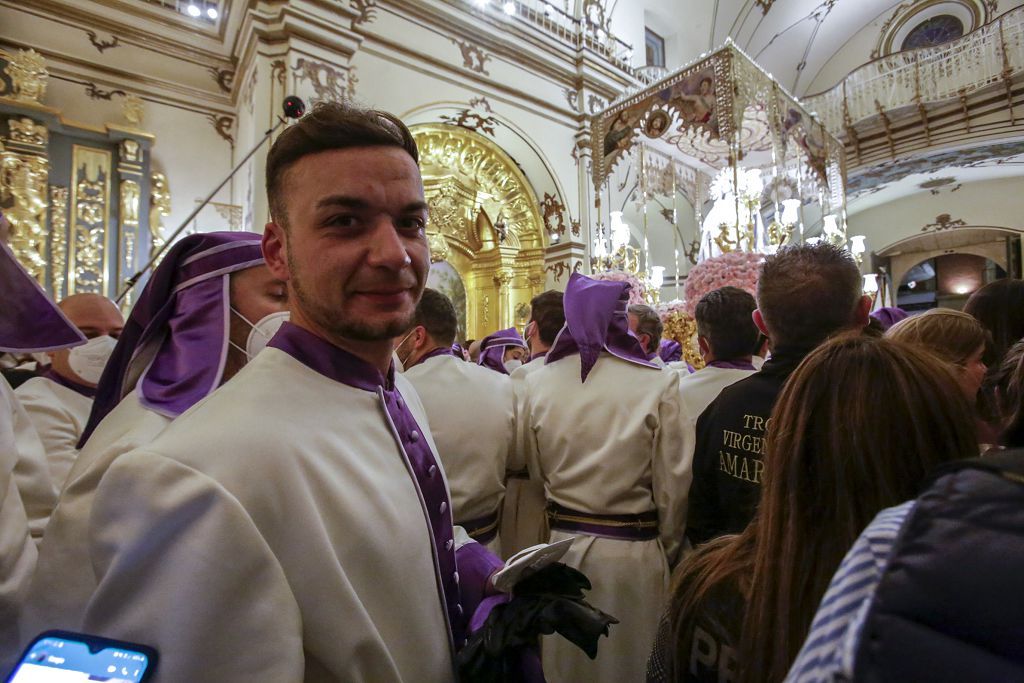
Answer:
(70, 659)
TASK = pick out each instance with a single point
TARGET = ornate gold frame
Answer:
(485, 221)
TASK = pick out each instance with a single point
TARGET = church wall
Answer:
(997, 203)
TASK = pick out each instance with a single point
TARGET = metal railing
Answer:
(552, 17)
(990, 54)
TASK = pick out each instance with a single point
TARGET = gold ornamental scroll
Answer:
(90, 216)
(59, 239)
(24, 171)
(129, 169)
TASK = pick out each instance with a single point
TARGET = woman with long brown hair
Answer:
(857, 428)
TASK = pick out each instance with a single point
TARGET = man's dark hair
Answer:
(805, 293)
(547, 310)
(723, 317)
(330, 125)
(649, 323)
(436, 314)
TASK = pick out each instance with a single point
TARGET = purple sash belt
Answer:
(482, 529)
(517, 474)
(642, 527)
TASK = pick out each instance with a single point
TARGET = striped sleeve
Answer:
(827, 654)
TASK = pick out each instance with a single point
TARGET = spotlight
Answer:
(212, 12)
(193, 10)
(510, 8)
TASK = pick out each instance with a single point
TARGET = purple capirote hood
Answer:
(29, 320)
(596, 320)
(175, 341)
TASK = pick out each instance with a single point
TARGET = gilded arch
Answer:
(485, 221)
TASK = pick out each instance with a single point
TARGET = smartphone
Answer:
(65, 657)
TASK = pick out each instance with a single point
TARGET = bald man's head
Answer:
(95, 316)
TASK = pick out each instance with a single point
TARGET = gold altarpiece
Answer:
(84, 207)
(485, 222)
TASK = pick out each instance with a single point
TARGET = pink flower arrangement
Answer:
(638, 290)
(736, 269)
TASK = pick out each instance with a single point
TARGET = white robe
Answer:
(273, 533)
(470, 410)
(59, 415)
(610, 446)
(522, 519)
(64, 579)
(17, 551)
(32, 471)
(704, 386)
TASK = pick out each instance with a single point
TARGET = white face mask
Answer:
(512, 364)
(261, 332)
(88, 360)
(399, 363)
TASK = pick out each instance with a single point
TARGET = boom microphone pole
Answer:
(294, 108)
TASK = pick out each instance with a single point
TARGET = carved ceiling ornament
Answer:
(473, 57)
(222, 77)
(223, 125)
(278, 71)
(367, 11)
(28, 74)
(28, 131)
(943, 222)
(329, 84)
(133, 109)
(458, 162)
(554, 218)
(103, 45)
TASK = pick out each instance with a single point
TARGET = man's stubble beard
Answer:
(334, 323)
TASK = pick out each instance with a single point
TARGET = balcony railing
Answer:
(991, 54)
(551, 17)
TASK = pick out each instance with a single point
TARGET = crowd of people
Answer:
(285, 466)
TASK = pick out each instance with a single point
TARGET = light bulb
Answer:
(212, 12)
(619, 231)
(790, 208)
(829, 225)
(857, 245)
(509, 8)
(657, 276)
(193, 10)
(870, 283)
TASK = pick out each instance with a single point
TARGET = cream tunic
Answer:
(17, 551)
(272, 533)
(64, 579)
(702, 387)
(522, 520)
(32, 471)
(59, 415)
(470, 410)
(610, 446)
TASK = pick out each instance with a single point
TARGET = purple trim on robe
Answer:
(888, 316)
(492, 348)
(732, 365)
(434, 353)
(29, 321)
(595, 321)
(175, 342)
(87, 391)
(670, 351)
(341, 366)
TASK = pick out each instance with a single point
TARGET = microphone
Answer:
(294, 107)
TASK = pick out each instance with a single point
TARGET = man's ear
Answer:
(863, 311)
(275, 251)
(645, 341)
(703, 345)
(759, 322)
(420, 338)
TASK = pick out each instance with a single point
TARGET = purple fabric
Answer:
(175, 342)
(670, 351)
(29, 321)
(596, 320)
(475, 527)
(439, 351)
(557, 518)
(492, 348)
(51, 374)
(732, 365)
(458, 351)
(889, 316)
(339, 365)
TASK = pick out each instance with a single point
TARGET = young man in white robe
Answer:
(188, 333)
(59, 401)
(29, 323)
(522, 521)
(726, 336)
(474, 440)
(296, 525)
(601, 428)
